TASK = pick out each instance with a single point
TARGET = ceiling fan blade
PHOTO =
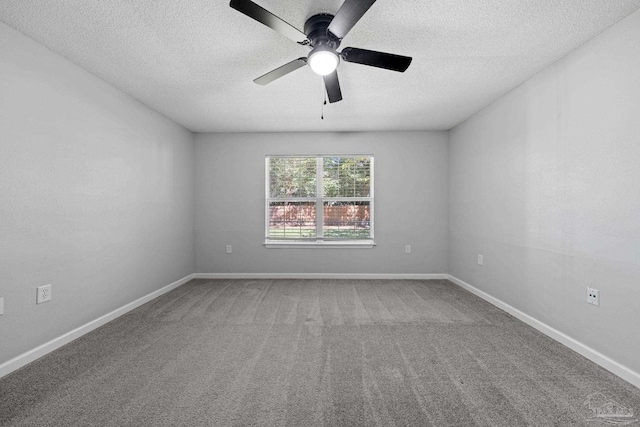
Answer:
(333, 87)
(281, 71)
(262, 15)
(348, 15)
(373, 58)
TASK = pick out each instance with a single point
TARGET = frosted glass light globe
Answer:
(323, 62)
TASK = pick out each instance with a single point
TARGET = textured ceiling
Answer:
(195, 60)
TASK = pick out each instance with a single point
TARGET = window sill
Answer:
(351, 244)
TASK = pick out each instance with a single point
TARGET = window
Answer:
(319, 200)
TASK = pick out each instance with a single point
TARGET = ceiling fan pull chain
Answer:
(324, 101)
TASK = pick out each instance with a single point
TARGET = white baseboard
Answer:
(353, 276)
(580, 348)
(31, 355)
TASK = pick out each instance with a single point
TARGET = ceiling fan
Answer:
(323, 34)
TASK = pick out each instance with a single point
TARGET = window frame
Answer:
(319, 241)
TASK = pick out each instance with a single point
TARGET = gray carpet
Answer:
(312, 353)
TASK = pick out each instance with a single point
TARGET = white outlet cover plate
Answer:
(44, 294)
(593, 296)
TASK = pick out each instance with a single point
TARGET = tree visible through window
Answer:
(319, 198)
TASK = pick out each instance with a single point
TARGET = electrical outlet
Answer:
(593, 296)
(229, 249)
(1, 306)
(44, 294)
(480, 260)
(407, 249)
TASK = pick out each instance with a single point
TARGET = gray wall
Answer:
(545, 183)
(410, 203)
(96, 196)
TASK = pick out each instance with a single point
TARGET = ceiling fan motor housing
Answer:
(323, 58)
(316, 30)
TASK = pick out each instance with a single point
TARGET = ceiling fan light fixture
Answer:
(323, 33)
(323, 60)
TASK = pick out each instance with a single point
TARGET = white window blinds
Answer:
(317, 198)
